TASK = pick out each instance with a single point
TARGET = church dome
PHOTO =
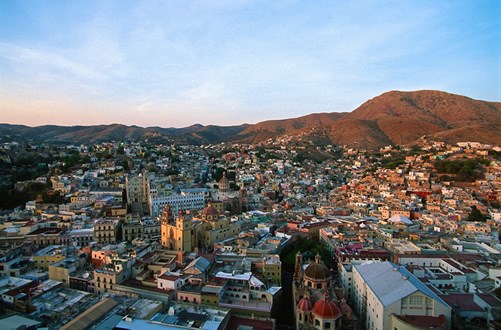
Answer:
(209, 212)
(317, 271)
(304, 305)
(224, 183)
(326, 308)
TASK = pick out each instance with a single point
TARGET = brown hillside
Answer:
(403, 117)
(391, 118)
(273, 128)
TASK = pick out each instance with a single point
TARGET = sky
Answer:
(229, 62)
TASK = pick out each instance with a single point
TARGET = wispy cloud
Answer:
(45, 60)
(228, 62)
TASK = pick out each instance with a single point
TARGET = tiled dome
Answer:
(304, 305)
(209, 210)
(317, 271)
(326, 308)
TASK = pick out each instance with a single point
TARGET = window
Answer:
(416, 300)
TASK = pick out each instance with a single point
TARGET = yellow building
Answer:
(107, 278)
(61, 271)
(47, 256)
(176, 234)
(272, 269)
(183, 234)
(106, 230)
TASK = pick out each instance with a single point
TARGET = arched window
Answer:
(327, 325)
(317, 322)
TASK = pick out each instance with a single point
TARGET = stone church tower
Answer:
(165, 226)
(176, 234)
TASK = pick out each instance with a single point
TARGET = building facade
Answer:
(386, 295)
(184, 234)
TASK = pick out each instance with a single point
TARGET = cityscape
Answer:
(239, 165)
(278, 234)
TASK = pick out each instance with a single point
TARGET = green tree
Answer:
(476, 215)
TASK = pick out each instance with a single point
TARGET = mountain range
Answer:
(393, 117)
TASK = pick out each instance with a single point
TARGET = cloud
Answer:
(46, 60)
(239, 61)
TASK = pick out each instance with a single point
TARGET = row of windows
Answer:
(104, 235)
(186, 299)
(104, 286)
(104, 228)
(104, 280)
(236, 295)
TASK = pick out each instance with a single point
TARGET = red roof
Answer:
(490, 299)
(325, 308)
(424, 322)
(464, 301)
(169, 277)
(304, 305)
(209, 210)
(235, 322)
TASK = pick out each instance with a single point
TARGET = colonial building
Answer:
(233, 202)
(317, 306)
(176, 233)
(184, 233)
(137, 189)
(106, 230)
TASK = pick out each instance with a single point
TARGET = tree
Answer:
(476, 215)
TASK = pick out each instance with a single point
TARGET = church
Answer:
(184, 233)
(316, 303)
(228, 200)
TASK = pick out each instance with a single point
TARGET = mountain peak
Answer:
(394, 117)
(403, 117)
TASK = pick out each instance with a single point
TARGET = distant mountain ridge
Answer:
(402, 117)
(100, 133)
(393, 117)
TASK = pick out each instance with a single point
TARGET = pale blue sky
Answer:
(177, 63)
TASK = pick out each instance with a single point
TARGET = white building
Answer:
(183, 201)
(345, 271)
(388, 296)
